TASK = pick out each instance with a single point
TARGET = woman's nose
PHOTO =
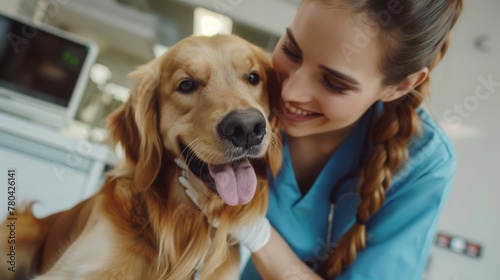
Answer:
(297, 87)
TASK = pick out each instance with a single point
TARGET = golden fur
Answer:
(141, 225)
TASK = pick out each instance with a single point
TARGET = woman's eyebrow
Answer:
(292, 39)
(339, 75)
(332, 72)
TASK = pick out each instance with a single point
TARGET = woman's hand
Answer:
(253, 235)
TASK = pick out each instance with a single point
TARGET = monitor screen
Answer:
(43, 66)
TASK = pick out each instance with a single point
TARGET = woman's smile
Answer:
(296, 114)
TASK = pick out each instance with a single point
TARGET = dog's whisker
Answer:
(195, 146)
(206, 152)
(280, 116)
(274, 144)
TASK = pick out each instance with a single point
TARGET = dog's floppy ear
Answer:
(273, 87)
(274, 155)
(135, 126)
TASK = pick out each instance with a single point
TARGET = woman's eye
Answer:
(254, 79)
(333, 87)
(187, 86)
(290, 53)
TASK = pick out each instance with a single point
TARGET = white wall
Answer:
(473, 210)
(9, 6)
(272, 16)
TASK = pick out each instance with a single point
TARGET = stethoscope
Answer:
(352, 175)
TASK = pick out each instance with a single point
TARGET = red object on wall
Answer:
(458, 245)
(473, 250)
(443, 240)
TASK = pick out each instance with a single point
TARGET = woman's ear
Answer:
(405, 86)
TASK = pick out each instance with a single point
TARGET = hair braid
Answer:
(391, 133)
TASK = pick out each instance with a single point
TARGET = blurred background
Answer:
(62, 164)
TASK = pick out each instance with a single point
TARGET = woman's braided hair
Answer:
(414, 38)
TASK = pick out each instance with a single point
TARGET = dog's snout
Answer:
(243, 128)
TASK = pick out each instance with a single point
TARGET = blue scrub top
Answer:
(399, 235)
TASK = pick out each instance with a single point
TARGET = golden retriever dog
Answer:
(206, 101)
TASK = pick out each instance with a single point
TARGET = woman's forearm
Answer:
(276, 260)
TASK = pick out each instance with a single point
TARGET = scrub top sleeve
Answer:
(400, 235)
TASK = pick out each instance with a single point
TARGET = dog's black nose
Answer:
(243, 128)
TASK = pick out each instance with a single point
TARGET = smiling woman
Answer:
(353, 77)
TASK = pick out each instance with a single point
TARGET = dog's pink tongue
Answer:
(236, 182)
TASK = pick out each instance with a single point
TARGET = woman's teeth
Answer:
(296, 110)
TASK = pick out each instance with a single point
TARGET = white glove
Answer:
(253, 235)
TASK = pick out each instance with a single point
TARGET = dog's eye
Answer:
(187, 86)
(254, 79)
